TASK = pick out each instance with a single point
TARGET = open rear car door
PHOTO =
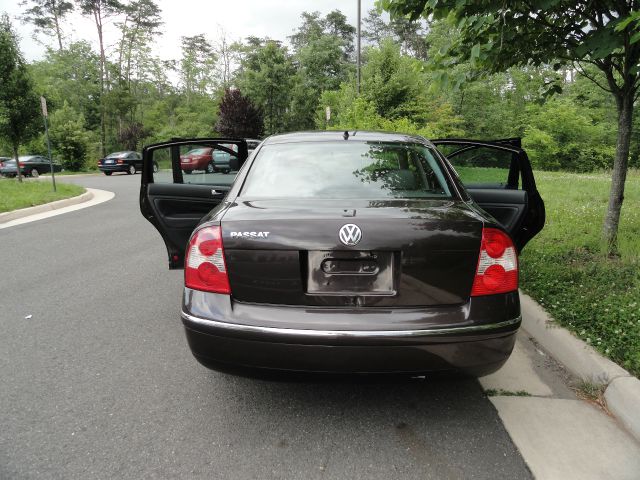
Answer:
(177, 196)
(498, 176)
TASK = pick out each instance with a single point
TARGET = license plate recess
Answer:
(350, 273)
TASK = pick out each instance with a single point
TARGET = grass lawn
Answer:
(14, 195)
(566, 270)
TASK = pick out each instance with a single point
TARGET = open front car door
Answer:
(192, 177)
(499, 178)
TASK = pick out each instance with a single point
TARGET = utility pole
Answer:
(358, 50)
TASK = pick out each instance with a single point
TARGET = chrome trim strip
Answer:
(349, 333)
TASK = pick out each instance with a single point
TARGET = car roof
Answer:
(27, 157)
(335, 135)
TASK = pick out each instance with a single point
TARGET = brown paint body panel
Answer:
(423, 252)
(475, 353)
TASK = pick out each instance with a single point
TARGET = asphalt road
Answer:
(97, 381)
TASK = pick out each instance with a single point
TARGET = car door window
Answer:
(180, 185)
(198, 164)
(498, 177)
(483, 167)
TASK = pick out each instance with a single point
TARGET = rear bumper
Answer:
(225, 342)
(113, 168)
(191, 167)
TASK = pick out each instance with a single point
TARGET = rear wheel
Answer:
(210, 168)
(188, 172)
(35, 173)
(108, 173)
(226, 170)
(131, 170)
(155, 167)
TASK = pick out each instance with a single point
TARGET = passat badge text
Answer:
(249, 234)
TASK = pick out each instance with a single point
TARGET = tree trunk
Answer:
(56, 21)
(15, 156)
(624, 103)
(103, 71)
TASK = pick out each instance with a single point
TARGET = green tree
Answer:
(47, 16)
(267, 79)
(411, 35)
(19, 105)
(500, 34)
(100, 11)
(72, 74)
(393, 97)
(392, 82)
(322, 50)
(335, 24)
(138, 30)
(197, 65)
(69, 139)
(561, 135)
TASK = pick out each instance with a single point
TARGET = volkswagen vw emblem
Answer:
(350, 234)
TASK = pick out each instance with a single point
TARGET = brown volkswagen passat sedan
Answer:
(347, 252)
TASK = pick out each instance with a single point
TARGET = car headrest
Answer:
(401, 180)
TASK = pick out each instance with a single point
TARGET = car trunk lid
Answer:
(410, 252)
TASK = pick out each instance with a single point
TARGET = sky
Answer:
(239, 18)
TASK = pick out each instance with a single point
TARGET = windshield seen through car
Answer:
(346, 170)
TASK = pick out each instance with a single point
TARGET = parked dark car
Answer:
(126, 161)
(30, 166)
(348, 252)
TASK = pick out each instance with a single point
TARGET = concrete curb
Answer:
(99, 196)
(622, 392)
(45, 207)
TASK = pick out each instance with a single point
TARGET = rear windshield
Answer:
(199, 151)
(371, 170)
(116, 155)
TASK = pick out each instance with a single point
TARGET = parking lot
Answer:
(98, 381)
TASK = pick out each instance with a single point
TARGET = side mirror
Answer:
(234, 163)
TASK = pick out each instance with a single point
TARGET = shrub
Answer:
(69, 139)
(561, 136)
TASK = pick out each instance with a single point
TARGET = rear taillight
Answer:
(497, 270)
(205, 268)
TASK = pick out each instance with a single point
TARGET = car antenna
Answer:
(346, 135)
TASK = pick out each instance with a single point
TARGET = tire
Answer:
(131, 170)
(188, 172)
(226, 170)
(156, 169)
(108, 173)
(210, 168)
(35, 173)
